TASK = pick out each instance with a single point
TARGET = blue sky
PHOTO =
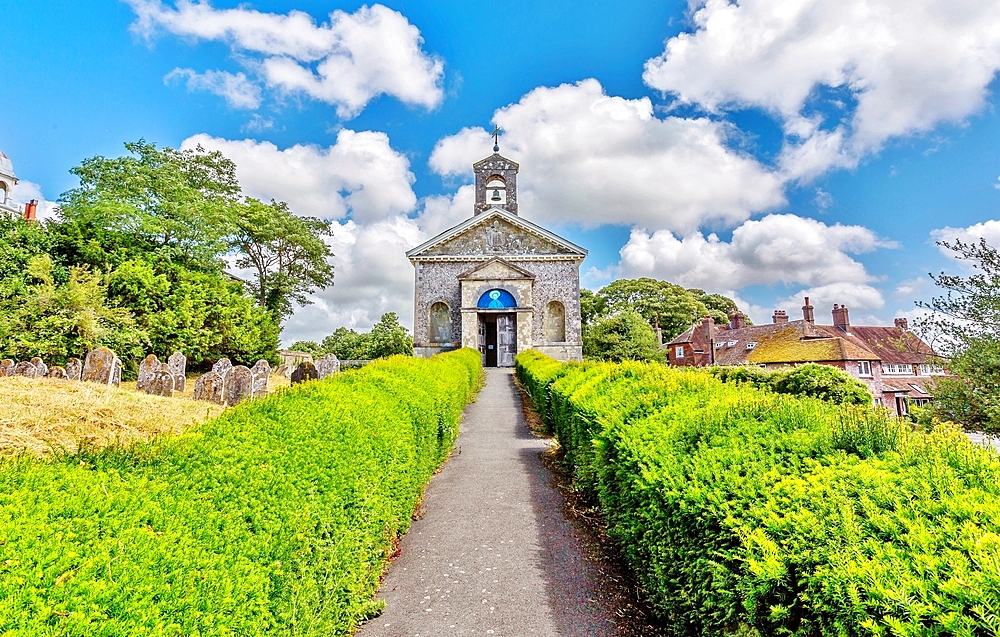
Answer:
(767, 149)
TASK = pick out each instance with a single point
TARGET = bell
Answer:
(496, 195)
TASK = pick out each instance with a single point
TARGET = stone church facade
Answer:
(497, 282)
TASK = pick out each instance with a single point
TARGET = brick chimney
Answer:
(807, 312)
(30, 209)
(902, 324)
(779, 317)
(737, 320)
(840, 318)
(702, 340)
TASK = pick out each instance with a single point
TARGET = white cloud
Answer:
(26, 191)
(856, 296)
(590, 158)
(238, 91)
(989, 230)
(361, 175)
(908, 64)
(346, 62)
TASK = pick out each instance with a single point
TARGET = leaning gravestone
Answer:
(43, 369)
(73, 368)
(178, 367)
(222, 367)
(161, 383)
(327, 365)
(305, 371)
(100, 367)
(7, 367)
(238, 385)
(283, 370)
(209, 387)
(58, 372)
(26, 369)
(149, 366)
(116, 372)
(261, 371)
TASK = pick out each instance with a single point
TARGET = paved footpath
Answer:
(493, 554)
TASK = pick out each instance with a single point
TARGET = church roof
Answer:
(493, 213)
(6, 165)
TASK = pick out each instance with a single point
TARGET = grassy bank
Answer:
(275, 518)
(744, 511)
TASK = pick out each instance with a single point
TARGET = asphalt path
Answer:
(493, 553)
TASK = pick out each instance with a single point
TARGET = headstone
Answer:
(74, 368)
(327, 365)
(222, 367)
(238, 385)
(178, 367)
(283, 370)
(7, 367)
(116, 372)
(99, 366)
(58, 372)
(149, 366)
(43, 369)
(26, 369)
(161, 383)
(305, 371)
(261, 371)
(209, 387)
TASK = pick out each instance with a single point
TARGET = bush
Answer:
(276, 518)
(817, 381)
(749, 512)
(622, 337)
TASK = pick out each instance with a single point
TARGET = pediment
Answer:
(496, 232)
(495, 270)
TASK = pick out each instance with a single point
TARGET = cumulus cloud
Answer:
(989, 230)
(891, 67)
(238, 91)
(591, 158)
(347, 61)
(778, 249)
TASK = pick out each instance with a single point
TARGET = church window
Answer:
(440, 323)
(496, 299)
(555, 322)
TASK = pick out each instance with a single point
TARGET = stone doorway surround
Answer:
(498, 338)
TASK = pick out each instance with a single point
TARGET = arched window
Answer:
(496, 299)
(496, 190)
(440, 322)
(3, 192)
(555, 322)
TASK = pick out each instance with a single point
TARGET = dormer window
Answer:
(931, 370)
(731, 344)
(751, 345)
(719, 344)
(896, 368)
(864, 368)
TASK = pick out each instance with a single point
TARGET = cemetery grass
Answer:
(277, 518)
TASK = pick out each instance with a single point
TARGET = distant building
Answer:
(7, 182)
(497, 282)
(895, 364)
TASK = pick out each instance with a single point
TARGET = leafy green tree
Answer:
(590, 306)
(309, 347)
(661, 303)
(389, 338)
(821, 381)
(347, 345)
(623, 336)
(286, 252)
(718, 307)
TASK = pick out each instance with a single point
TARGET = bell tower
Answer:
(496, 181)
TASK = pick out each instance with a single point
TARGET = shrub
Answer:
(818, 381)
(276, 518)
(622, 337)
(750, 512)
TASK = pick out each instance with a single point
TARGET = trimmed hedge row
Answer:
(748, 512)
(276, 518)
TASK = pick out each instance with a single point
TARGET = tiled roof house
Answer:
(895, 364)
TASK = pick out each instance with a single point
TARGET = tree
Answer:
(719, 307)
(590, 306)
(623, 336)
(389, 338)
(309, 347)
(287, 253)
(347, 345)
(661, 303)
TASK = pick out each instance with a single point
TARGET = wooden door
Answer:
(482, 338)
(506, 339)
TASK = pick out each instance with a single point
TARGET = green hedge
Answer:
(276, 518)
(749, 512)
(813, 380)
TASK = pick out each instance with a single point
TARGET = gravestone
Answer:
(43, 369)
(261, 371)
(222, 367)
(74, 367)
(116, 372)
(327, 365)
(178, 367)
(58, 372)
(283, 370)
(209, 387)
(305, 371)
(238, 385)
(7, 367)
(160, 383)
(99, 366)
(26, 369)
(149, 366)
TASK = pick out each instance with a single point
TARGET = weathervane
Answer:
(496, 139)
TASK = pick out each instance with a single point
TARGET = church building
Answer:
(497, 282)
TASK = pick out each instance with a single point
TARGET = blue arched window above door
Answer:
(497, 299)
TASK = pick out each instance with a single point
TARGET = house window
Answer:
(896, 368)
(719, 344)
(679, 351)
(751, 345)
(931, 370)
(731, 344)
(864, 368)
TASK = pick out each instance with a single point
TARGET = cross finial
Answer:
(496, 139)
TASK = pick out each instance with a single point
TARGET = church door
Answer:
(506, 339)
